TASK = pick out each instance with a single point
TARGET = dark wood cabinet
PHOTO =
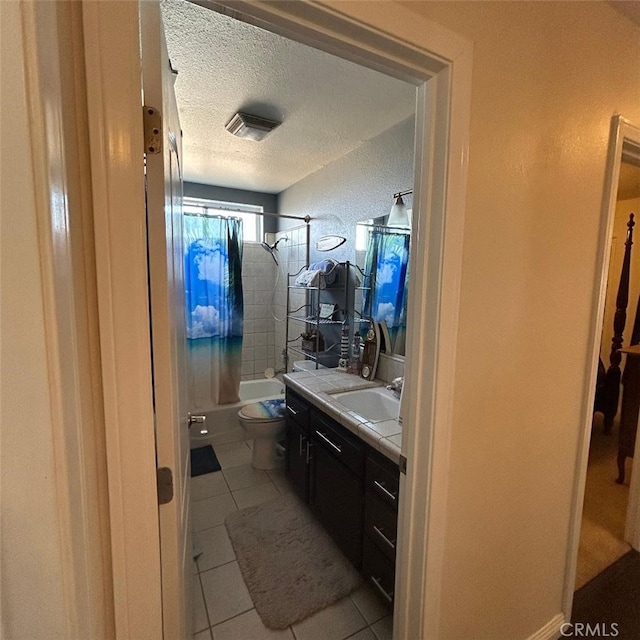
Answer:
(382, 488)
(336, 492)
(352, 489)
(298, 446)
(297, 459)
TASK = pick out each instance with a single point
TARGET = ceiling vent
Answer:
(245, 125)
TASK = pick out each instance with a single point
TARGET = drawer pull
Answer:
(387, 596)
(385, 491)
(391, 543)
(291, 410)
(334, 446)
(302, 439)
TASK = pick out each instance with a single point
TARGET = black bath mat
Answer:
(203, 460)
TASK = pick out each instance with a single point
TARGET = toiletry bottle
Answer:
(343, 363)
(355, 363)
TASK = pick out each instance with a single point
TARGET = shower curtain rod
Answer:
(305, 219)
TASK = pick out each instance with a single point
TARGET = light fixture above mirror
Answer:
(398, 216)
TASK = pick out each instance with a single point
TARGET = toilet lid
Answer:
(273, 409)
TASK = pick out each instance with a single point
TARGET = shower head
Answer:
(269, 248)
(273, 247)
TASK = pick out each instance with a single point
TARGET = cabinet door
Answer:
(297, 458)
(336, 499)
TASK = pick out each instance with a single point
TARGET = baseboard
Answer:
(551, 630)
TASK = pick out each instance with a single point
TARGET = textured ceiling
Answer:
(328, 106)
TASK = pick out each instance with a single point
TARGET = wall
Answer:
(356, 187)
(268, 201)
(31, 554)
(547, 78)
(623, 209)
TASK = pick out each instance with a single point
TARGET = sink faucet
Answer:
(396, 386)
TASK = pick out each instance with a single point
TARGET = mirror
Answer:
(382, 254)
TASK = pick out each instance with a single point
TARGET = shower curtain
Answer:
(387, 262)
(214, 309)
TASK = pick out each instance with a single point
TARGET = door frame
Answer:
(363, 33)
(622, 134)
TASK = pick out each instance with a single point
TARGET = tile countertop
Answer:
(318, 388)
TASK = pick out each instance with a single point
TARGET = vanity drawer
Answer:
(378, 571)
(297, 410)
(383, 480)
(381, 525)
(339, 442)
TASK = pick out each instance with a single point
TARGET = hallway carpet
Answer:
(605, 507)
(612, 597)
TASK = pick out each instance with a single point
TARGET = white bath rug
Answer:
(289, 563)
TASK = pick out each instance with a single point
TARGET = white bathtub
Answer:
(222, 422)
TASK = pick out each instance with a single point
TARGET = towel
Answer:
(310, 278)
(329, 268)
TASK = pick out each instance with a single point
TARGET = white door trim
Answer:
(116, 143)
(55, 92)
(364, 33)
(622, 131)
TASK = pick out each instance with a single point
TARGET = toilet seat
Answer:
(265, 411)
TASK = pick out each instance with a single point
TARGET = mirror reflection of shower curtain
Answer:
(387, 262)
(214, 309)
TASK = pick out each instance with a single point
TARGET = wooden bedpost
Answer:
(630, 406)
(612, 380)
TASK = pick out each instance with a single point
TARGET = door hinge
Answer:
(165, 485)
(152, 130)
(403, 465)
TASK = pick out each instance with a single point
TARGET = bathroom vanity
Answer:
(350, 485)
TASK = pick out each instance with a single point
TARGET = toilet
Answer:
(264, 423)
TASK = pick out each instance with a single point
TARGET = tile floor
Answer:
(222, 606)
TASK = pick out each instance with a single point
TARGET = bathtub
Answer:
(222, 422)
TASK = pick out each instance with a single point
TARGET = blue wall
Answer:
(209, 192)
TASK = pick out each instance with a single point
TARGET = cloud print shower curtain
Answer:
(213, 283)
(387, 262)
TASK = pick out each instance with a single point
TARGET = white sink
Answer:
(375, 404)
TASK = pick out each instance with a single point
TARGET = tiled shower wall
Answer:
(258, 279)
(265, 308)
(293, 255)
